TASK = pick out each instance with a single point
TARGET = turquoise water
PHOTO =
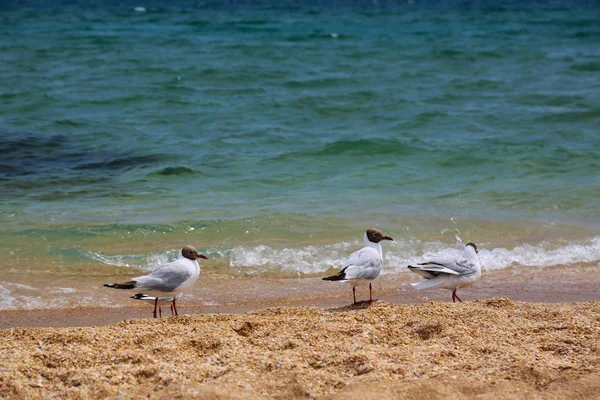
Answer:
(271, 136)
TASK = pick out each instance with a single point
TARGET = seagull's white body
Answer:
(449, 274)
(162, 301)
(170, 279)
(363, 265)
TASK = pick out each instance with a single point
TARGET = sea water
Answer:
(271, 135)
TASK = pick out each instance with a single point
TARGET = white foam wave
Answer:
(19, 286)
(146, 262)
(307, 260)
(63, 290)
(16, 296)
(108, 260)
(399, 254)
(318, 259)
(543, 255)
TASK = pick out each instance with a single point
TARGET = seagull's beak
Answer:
(202, 256)
(388, 238)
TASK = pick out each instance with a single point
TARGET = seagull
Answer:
(169, 279)
(450, 274)
(162, 301)
(363, 265)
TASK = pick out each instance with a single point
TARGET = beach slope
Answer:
(480, 349)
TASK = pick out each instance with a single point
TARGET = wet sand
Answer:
(216, 294)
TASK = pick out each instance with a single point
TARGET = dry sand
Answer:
(485, 349)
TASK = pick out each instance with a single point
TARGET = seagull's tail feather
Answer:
(333, 278)
(126, 285)
(141, 296)
(428, 284)
(423, 273)
(339, 277)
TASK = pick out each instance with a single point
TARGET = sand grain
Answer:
(479, 349)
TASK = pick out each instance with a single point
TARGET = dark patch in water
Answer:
(317, 83)
(318, 36)
(196, 23)
(361, 148)
(592, 66)
(447, 54)
(28, 153)
(6, 169)
(429, 116)
(120, 162)
(70, 122)
(591, 114)
(365, 147)
(586, 34)
(176, 171)
(52, 196)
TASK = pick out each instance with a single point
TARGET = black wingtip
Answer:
(126, 285)
(339, 277)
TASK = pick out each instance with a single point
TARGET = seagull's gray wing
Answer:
(424, 273)
(431, 269)
(165, 278)
(365, 263)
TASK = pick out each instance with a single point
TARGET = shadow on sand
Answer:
(361, 305)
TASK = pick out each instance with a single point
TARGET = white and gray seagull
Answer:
(162, 301)
(167, 280)
(363, 265)
(450, 274)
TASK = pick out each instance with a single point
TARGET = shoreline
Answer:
(548, 285)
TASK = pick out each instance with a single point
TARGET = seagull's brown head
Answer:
(376, 236)
(473, 245)
(191, 253)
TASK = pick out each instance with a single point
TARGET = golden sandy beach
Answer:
(298, 338)
(494, 348)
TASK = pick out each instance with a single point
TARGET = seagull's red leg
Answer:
(159, 312)
(172, 309)
(155, 305)
(175, 307)
(370, 294)
(455, 295)
(354, 293)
